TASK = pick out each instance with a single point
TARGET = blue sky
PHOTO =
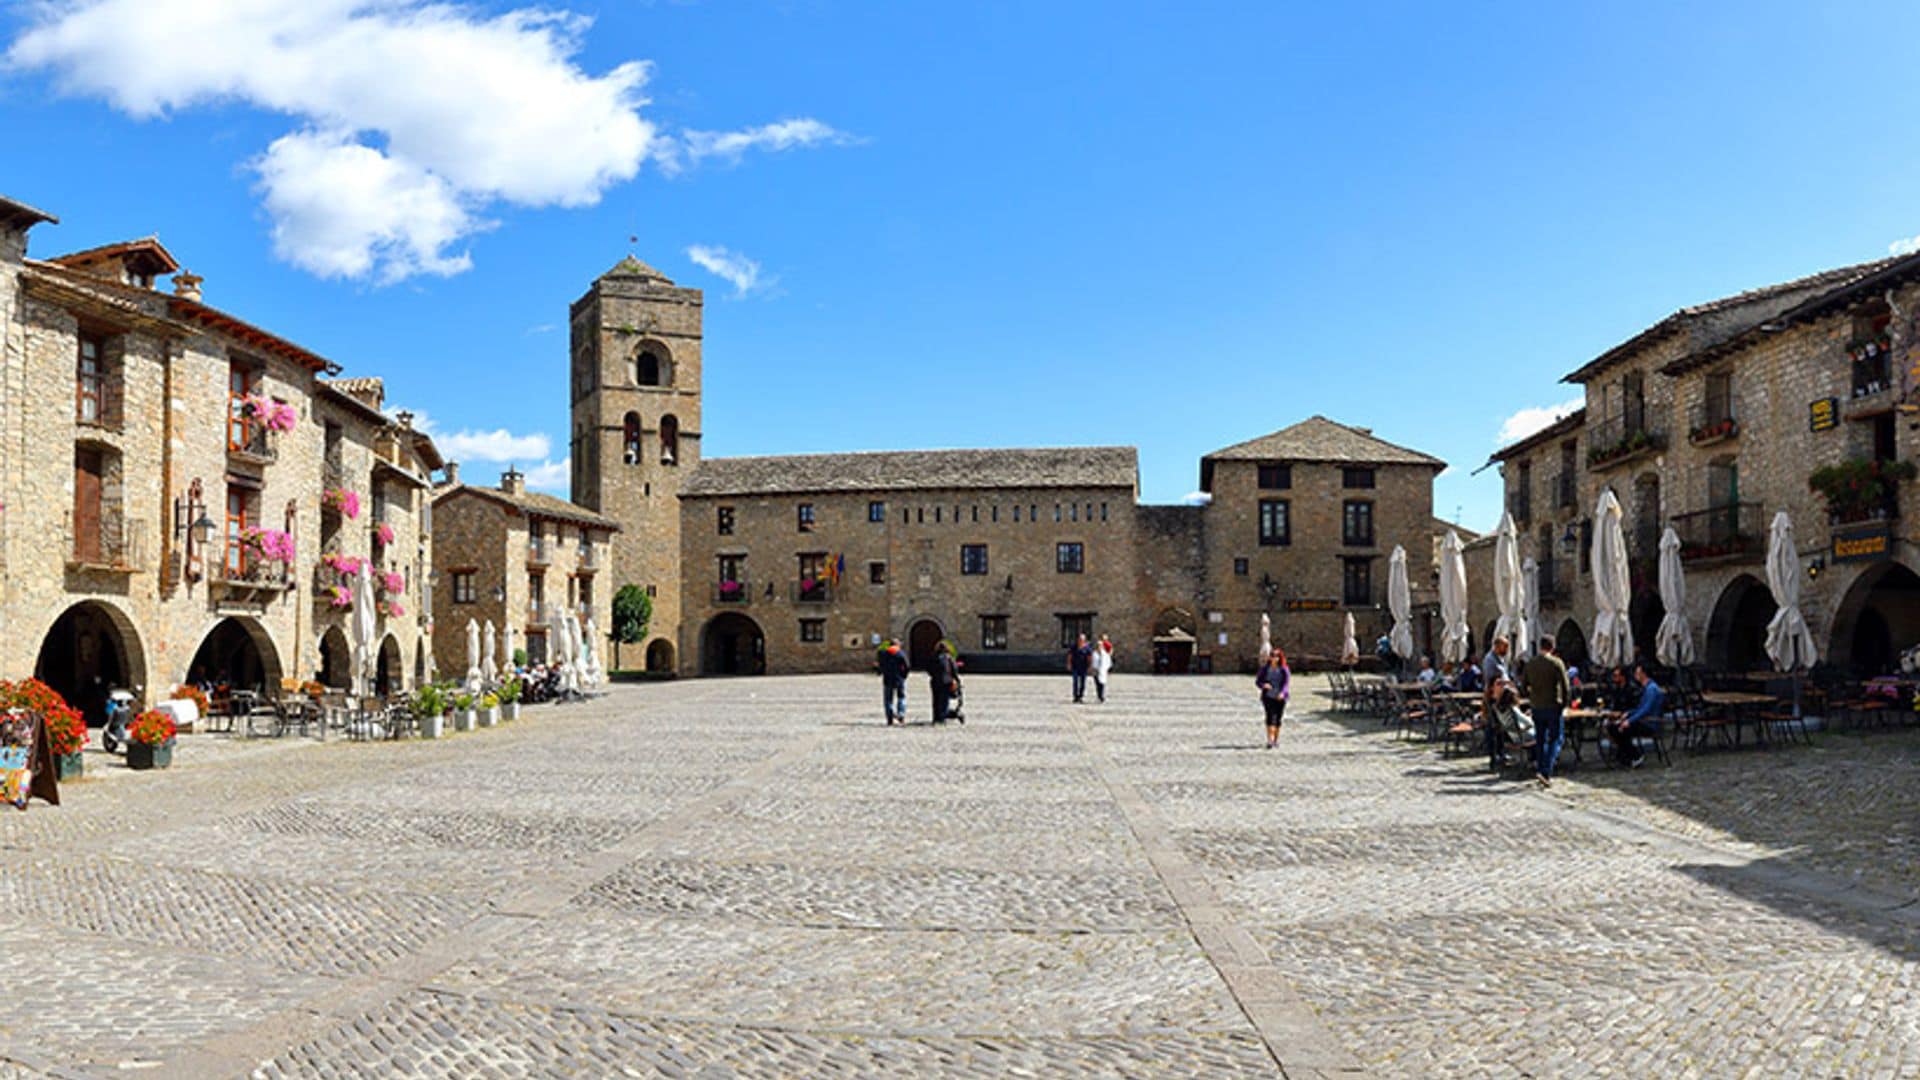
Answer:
(1170, 226)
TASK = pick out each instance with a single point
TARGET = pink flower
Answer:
(393, 582)
(395, 608)
(343, 500)
(339, 596)
(383, 533)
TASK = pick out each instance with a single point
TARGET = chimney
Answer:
(453, 473)
(186, 286)
(513, 482)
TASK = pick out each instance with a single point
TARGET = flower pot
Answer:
(490, 717)
(433, 727)
(513, 710)
(68, 766)
(148, 756)
(464, 720)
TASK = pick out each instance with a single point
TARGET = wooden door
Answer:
(87, 474)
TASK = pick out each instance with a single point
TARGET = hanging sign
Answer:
(1824, 414)
(1863, 542)
(1309, 605)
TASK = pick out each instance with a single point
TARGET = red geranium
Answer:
(153, 728)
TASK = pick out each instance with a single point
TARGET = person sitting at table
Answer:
(1642, 722)
(1467, 679)
(1427, 674)
(1512, 724)
(1621, 694)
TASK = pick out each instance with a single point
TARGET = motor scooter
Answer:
(119, 715)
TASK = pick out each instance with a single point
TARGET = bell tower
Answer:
(635, 340)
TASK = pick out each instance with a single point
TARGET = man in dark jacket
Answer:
(893, 683)
(944, 676)
(1548, 693)
(1079, 662)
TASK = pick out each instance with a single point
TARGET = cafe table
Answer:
(1742, 704)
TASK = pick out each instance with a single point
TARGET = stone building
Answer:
(147, 481)
(514, 558)
(1711, 421)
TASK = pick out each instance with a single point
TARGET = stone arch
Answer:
(924, 634)
(669, 440)
(652, 365)
(420, 662)
(239, 653)
(1571, 643)
(1174, 618)
(1737, 629)
(660, 655)
(1876, 619)
(630, 439)
(389, 670)
(89, 649)
(336, 659)
(732, 644)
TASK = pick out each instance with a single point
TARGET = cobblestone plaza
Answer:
(754, 877)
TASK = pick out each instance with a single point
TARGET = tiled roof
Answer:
(368, 388)
(532, 503)
(150, 246)
(631, 267)
(1317, 439)
(1573, 421)
(12, 210)
(1879, 276)
(1716, 321)
(897, 470)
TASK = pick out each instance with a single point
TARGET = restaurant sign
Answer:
(1824, 414)
(1309, 605)
(1863, 542)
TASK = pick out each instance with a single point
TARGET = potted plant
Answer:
(430, 705)
(489, 710)
(66, 732)
(342, 501)
(150, 744)
(463, 714)
(189, 692)
(1858, 489)
(509, 695)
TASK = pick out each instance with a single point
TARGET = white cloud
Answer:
(1197, 498)
(412, 116)
(1532, 419)
(797, 133)
(497, 445)
(1904, 247)
(553, 477)
(742, 272)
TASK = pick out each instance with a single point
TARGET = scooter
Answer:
(119, 715)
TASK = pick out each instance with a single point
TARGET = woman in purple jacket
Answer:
(1274, 680)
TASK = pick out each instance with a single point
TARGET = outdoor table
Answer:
(1742, 704)
(1575, 720)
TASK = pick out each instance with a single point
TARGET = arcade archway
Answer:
(1877, 618)
(389, 670)
(1173, 641)
(336, 659)
(237, 653)
(732, 644)
(1737, 630)
(660, 655)
(923, 637)
(90, 649)
(1571, 643)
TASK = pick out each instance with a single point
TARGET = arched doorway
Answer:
(660, 655)
(732, 644)
(420, 662)
(1644, 614)
(238, 654)
(336, 659)
(90, 649)
(1877, 619)
(923, 638)
(1737, 631)
(388, 668)
(1571, 644)
(1173, 641)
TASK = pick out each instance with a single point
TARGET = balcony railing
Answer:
(1553, 580)
(537, 613)
(1563, 490)
(537, 552)
(1713, 421)
(119, 544)
(588, 560)
(1886, 509)
(333, 471)
(251, 575)
(1623, 437)
(817, 592)
(1520, 505)
(254, 443)
(1872, 366)
(732, 592)
(1733, 531)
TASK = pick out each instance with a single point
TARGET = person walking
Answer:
(1274, 681)
(1548, 692)
(943, 676)
(893, 682)
(1102, 665)
(1079, 663)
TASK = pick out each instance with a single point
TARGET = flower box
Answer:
(150, 755)
(68, 766)
(1718, 431)
(490, 717)
(433, 726)
(512, 710)
(465, 720)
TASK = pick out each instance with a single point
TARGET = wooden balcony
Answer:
(1736, 532)
(118, 545)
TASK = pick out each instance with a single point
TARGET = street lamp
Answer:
(192, 528)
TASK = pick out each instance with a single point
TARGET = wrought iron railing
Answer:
(1625, 436)
(1520, 505)
(732, 592)
(537, 551)
(812, 592)
(118, 543)
(1564, 494)
(1719, 532)
(1553, 580)
(253, 442)
(1713, 421)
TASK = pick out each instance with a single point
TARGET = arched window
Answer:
(669, 440)
(630, 442)
(650, 369)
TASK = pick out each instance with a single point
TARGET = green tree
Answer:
(632, 611)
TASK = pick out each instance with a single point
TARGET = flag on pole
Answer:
(839, 567)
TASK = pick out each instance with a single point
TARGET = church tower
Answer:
(636, 432)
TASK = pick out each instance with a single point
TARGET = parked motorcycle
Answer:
(119, 716)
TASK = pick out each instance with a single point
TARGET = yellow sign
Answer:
(1824, 414)
(1310, 605)
(1853, 547)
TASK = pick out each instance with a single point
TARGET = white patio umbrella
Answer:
(577, 637)
(1349, 648)
(363, 630)
(1509, 586)
(489, 672)
(1789, 642)
(1399, 604)
(1522, 647)
(1456, 639)
(596, 674)
(506, 649)
(1612, 643)
(473, 657)
(1266, 636)
(562, 651)
(1673, 644)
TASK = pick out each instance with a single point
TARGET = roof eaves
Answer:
(254, 337)
(14, 211)
(1555, 430)
(1897, 272)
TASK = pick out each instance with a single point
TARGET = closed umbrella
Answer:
(489, 673)
(363, 629)
(563, 651)
(1509, 586)
(595, 673)
(1612, 586)
(1349, 648)
(1266, 636)
(1789, 641)
(473, 657)
(1456, 640)
(506, 649)
(1399, 604)
(577, 637)
(1673, 643)
(1529, 610)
